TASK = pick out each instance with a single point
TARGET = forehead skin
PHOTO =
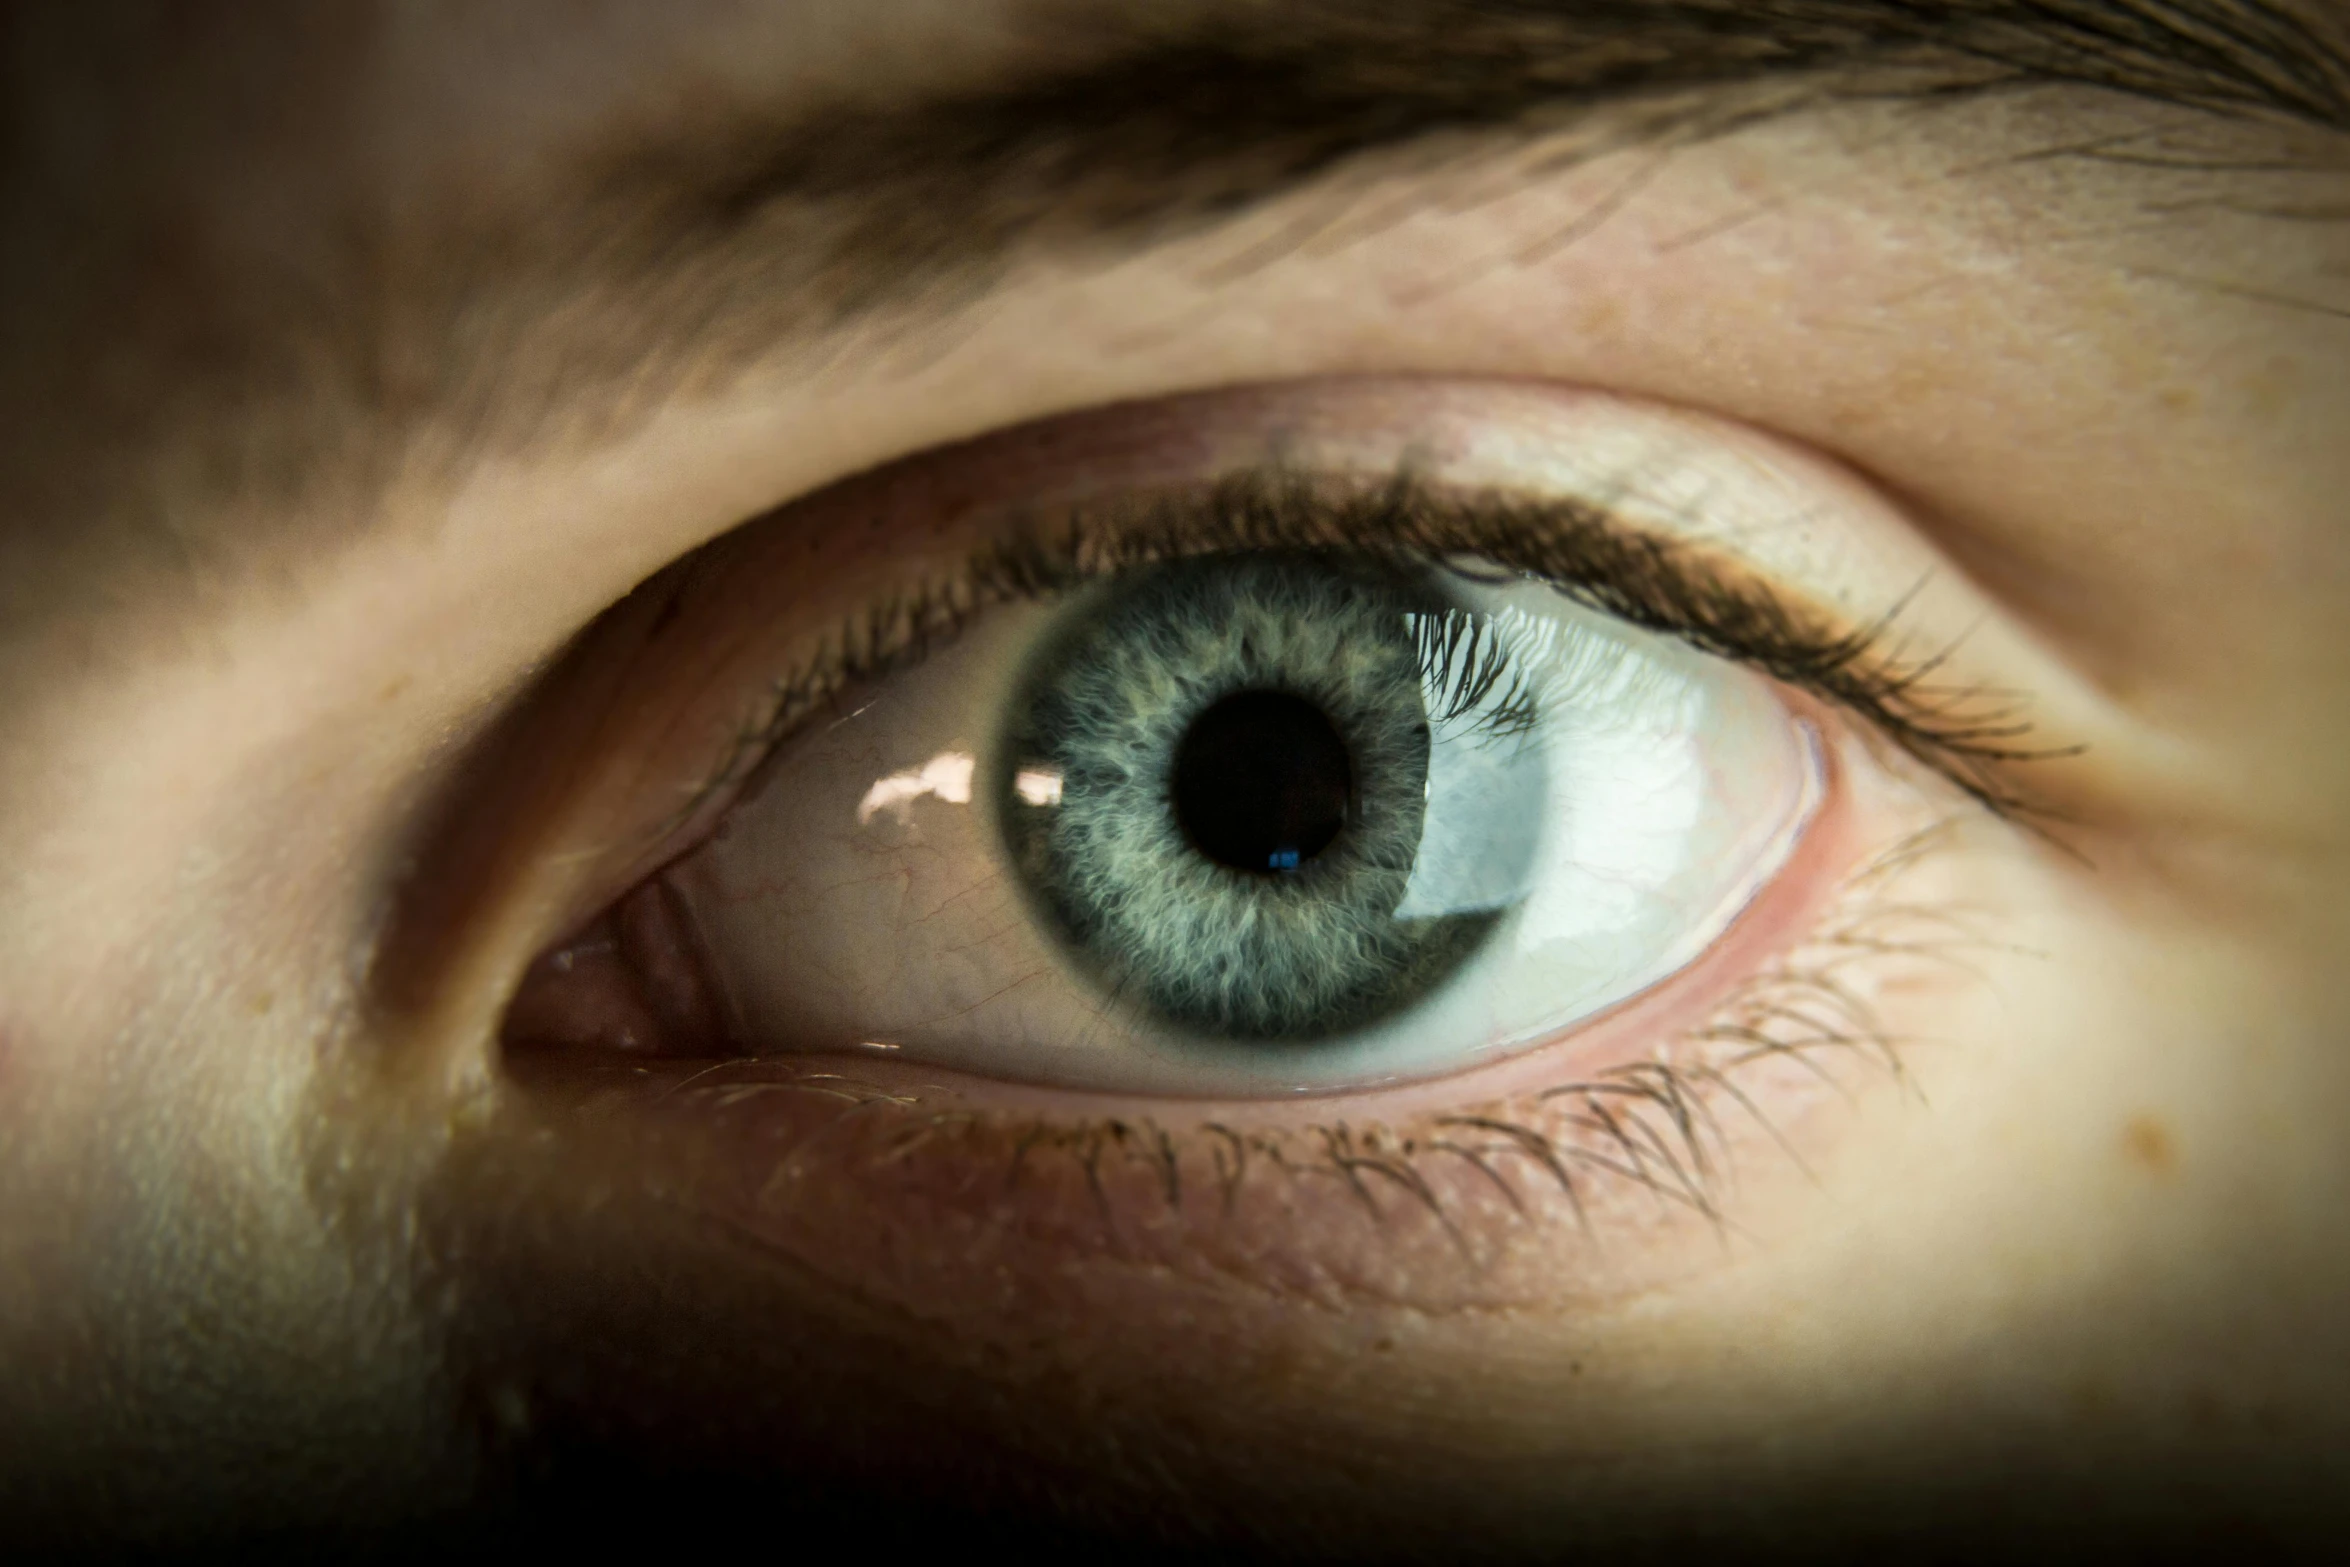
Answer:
(319, 314)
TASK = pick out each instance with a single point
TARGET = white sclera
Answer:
(860, 898)
(1673, 785)
(1479, 841)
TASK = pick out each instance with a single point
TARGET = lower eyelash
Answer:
(1646, 1141)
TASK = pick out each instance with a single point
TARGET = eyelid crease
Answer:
(1977, 737)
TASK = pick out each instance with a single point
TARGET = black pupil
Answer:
(1262, 781)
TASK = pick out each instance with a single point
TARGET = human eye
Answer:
(1286, 819)
(1409, 789)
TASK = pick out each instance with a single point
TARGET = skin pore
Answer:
(364, 362)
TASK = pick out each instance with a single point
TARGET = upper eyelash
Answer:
(1468, 667)
(1975, 736)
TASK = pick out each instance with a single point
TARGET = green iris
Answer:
(1241, 748)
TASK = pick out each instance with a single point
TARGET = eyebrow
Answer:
(1174, 127)
(720, 238)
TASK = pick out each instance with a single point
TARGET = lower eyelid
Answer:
(1581, 1170)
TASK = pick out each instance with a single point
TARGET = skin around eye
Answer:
(870, 996)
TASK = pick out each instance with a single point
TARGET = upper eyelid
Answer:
(1976, 737)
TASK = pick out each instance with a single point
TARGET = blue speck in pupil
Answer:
(1262, 781)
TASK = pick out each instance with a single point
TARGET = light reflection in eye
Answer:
(1039, 787)
(946, 776)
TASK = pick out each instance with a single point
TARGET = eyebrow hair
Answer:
(1199, 118)
(682, 253)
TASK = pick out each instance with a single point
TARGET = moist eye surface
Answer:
(1245, 823)
(1214, 787)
